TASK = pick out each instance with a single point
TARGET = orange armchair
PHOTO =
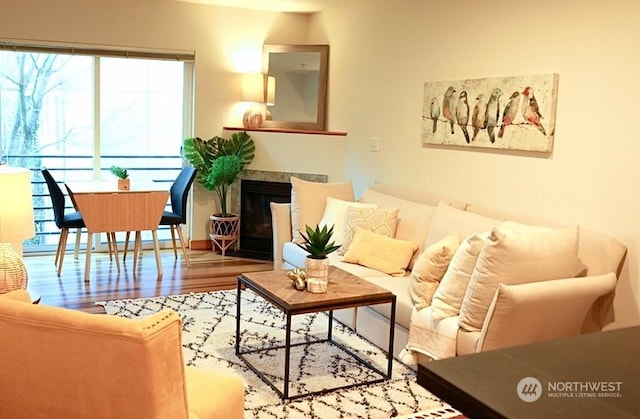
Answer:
(56, 362)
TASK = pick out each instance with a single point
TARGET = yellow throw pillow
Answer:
(375, 251)
(429, 269)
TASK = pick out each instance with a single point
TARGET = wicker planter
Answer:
(317, 274)
(224, 231)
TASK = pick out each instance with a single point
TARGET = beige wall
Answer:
(382, 51)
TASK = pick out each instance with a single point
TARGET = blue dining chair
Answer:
(178, 193)
(63, 221)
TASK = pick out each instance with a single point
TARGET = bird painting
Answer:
(447, 106)
(530, 109)
(435, 113)
(510, 112)
(462, 114)
(493, 113)
(478, 120)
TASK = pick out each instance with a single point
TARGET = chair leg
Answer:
(58, 249)
(173, 239)
(76, 252)
(115, 249)
(64, 233)
(184, 248)
(110, 247)
(126, 246)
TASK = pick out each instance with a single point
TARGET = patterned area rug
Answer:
(209, 323)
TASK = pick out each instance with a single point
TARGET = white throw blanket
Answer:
(431, 337)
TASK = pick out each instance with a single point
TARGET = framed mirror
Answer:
(300, 87)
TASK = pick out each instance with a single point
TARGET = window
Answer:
(78, 114)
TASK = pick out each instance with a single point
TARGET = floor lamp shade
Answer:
(16, 224)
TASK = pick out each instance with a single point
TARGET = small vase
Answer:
(317, 274)
(124, 184)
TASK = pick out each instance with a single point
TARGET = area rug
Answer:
(209, 323)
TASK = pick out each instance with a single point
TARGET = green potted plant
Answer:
(218, 162)
(317, 242)
(122, 174)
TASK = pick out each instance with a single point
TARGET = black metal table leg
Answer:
(238, 317)
(287, 357)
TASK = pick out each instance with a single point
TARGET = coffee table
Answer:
(344, 291)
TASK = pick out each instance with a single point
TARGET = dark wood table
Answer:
(344, 291)
(589, 376)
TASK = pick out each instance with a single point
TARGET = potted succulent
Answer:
(122, 174)
(317, 242)
(218, 162)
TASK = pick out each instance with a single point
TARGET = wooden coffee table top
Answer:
(344, 290)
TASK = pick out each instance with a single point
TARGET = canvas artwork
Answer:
(516, 113)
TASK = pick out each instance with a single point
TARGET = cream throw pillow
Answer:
(450, 293)
(429, 269)
(384, 254)
(308, 200)
(335, 215)
(379, 220)
(517, 254)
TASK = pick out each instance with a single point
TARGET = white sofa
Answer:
(521, 310)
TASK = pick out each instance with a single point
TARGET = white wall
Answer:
(382, 51)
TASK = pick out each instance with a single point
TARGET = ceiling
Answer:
(297, 6)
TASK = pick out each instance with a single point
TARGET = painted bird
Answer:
(435, 112)
(462, 114)
(493, 112)
(478, 119)
(510, 112)
(530, 109)
(447, 106)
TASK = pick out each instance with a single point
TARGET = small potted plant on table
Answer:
(122, 174)
(317, 242)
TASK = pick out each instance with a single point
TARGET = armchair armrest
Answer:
(282, 231)
(539, 311)
(17, 295)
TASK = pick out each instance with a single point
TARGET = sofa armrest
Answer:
(281, 225)
(17, 295)
(539, 311)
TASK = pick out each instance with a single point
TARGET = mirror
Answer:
(300, 73)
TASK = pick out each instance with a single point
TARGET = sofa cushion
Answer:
(450, 293)
(429, 268)
(386, 254)
(446, 219)
(378, 220)
(517, 254)
(413, 217)
(335, 215)
(308, 200)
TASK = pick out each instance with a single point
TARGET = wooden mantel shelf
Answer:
(287, 131)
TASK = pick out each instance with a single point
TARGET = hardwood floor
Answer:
(209, 272)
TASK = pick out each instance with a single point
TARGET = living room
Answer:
(381, 54)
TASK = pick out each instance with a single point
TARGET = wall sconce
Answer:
(16, 224)
(253, 90)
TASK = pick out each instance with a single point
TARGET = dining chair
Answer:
(178, 193)
(65, 222)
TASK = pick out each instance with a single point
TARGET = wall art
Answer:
(514, 113)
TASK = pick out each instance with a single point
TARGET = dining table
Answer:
(107, 209)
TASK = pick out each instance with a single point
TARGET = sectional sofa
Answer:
(466, 279)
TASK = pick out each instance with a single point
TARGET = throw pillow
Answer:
(449, 294)
(517, 254)
(308, 200)
(381, 221)
(335, 214)
(429, 269)
(376, 251)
